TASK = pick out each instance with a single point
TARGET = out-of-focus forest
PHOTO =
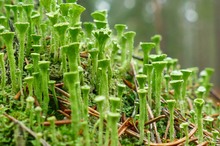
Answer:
(190, 28)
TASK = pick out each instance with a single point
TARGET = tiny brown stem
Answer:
(58, 122)
(65, 114)
(64, 93)
(59, 84)
(205, 143)
(175, 142)
(17, 96)
(155, 119)
(123, 127)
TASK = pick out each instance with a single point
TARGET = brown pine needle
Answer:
(123, 127)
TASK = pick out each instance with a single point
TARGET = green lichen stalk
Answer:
(171, 105)
(198, 102)
(44, 66)
(158, 69)
(114, 117)
(85, 91)
(71, 84)
(3, 73)
(142, 96)
(8, 37)
(100, 103)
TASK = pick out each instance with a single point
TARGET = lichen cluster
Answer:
(68, 82)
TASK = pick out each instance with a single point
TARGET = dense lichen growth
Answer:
(67, 82)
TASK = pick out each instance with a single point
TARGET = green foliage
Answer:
(86, 78)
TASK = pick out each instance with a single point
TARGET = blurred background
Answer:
(190, 28)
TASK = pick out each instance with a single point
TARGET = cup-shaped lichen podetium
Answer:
(146, 47)
(44, 67)
(52, 120)
(8, 10)
(156, 39)
(8, 39)
(215, 134)
(60, 29)
(72, 53)
(130, 45)
(38, 111)
(177, 86)
(114, 118)
(170, 106)
(120, 28)
(198, 102)
(158, 70)
(28, 8)
(53, 17)
(141, 79)
(35, 58)
(74, 14)
(52, 88)
(94, 59)
(70, 81)
(102, 36)
(209, 72)
(74, 33)
(186, 73)
(14, 8)
(100, 100)
(29, 80)
(21, 28)
(176, 75)
(121, 88)
(185, 126)
(104, 89)
(30, 110)
(37, 87)
(88, 27)
(85, 92)
(114, 103)
(115, 48)
(142, 98)
(36, 39)
(99, 15)
(200, 92)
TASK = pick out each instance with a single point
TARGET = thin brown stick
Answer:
(84, 54)
(205, 143)
(167, 129)
(62, 92)
(123, 127)
(17, 96)
(193, 139)
(129, 84)
(59, 84)
(26, 60)
(43, 142)
(155, 119)
(63, 113)
(175, 142)
(58, 122)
